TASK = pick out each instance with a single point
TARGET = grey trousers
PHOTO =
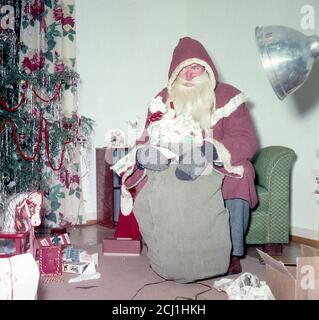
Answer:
(239, 213)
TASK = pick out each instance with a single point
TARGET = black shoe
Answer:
(235, 265)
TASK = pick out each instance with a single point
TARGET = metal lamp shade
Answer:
(287, 56)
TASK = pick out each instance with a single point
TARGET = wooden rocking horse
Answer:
(21, 216)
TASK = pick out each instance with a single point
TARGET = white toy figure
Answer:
(114, 138)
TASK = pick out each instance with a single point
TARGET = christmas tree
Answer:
(35, 135)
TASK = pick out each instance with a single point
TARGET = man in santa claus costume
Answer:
(229, 138)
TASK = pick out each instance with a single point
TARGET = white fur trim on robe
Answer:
(231, 106)
(225, 156)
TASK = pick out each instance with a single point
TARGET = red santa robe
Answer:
(232, 130)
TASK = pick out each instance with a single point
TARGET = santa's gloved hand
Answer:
(150, 158)
(191, 164)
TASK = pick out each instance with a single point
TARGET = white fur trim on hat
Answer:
(231, 106)
(188, 62)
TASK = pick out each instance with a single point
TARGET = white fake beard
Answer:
(197, 100)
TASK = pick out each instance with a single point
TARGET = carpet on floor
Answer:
(131, 278)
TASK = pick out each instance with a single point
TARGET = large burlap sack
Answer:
(185, 225)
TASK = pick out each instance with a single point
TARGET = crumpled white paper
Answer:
(182, 129)
(88, 274)
(245, 287)
(157, 104)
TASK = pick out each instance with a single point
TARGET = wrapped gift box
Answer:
(74, 267)
(62, 239)
(79, 255)
(121, 247)
(50, 261)
(73, 254)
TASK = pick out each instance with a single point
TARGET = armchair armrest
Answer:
(273, 163)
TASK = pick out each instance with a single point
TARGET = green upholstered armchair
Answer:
(270, 219)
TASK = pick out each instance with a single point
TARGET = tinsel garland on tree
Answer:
(34, 133)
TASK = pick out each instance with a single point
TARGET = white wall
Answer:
(124, 51)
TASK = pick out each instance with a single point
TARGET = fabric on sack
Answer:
(185, 225)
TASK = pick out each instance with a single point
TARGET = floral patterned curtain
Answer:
(47, 42)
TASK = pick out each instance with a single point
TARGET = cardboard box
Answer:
(299, 282)
(121, 247)
(74, 267)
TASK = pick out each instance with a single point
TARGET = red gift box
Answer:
(50, 261)
(121, 247)
(62, 239)
(20, 239)
(58, 231)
